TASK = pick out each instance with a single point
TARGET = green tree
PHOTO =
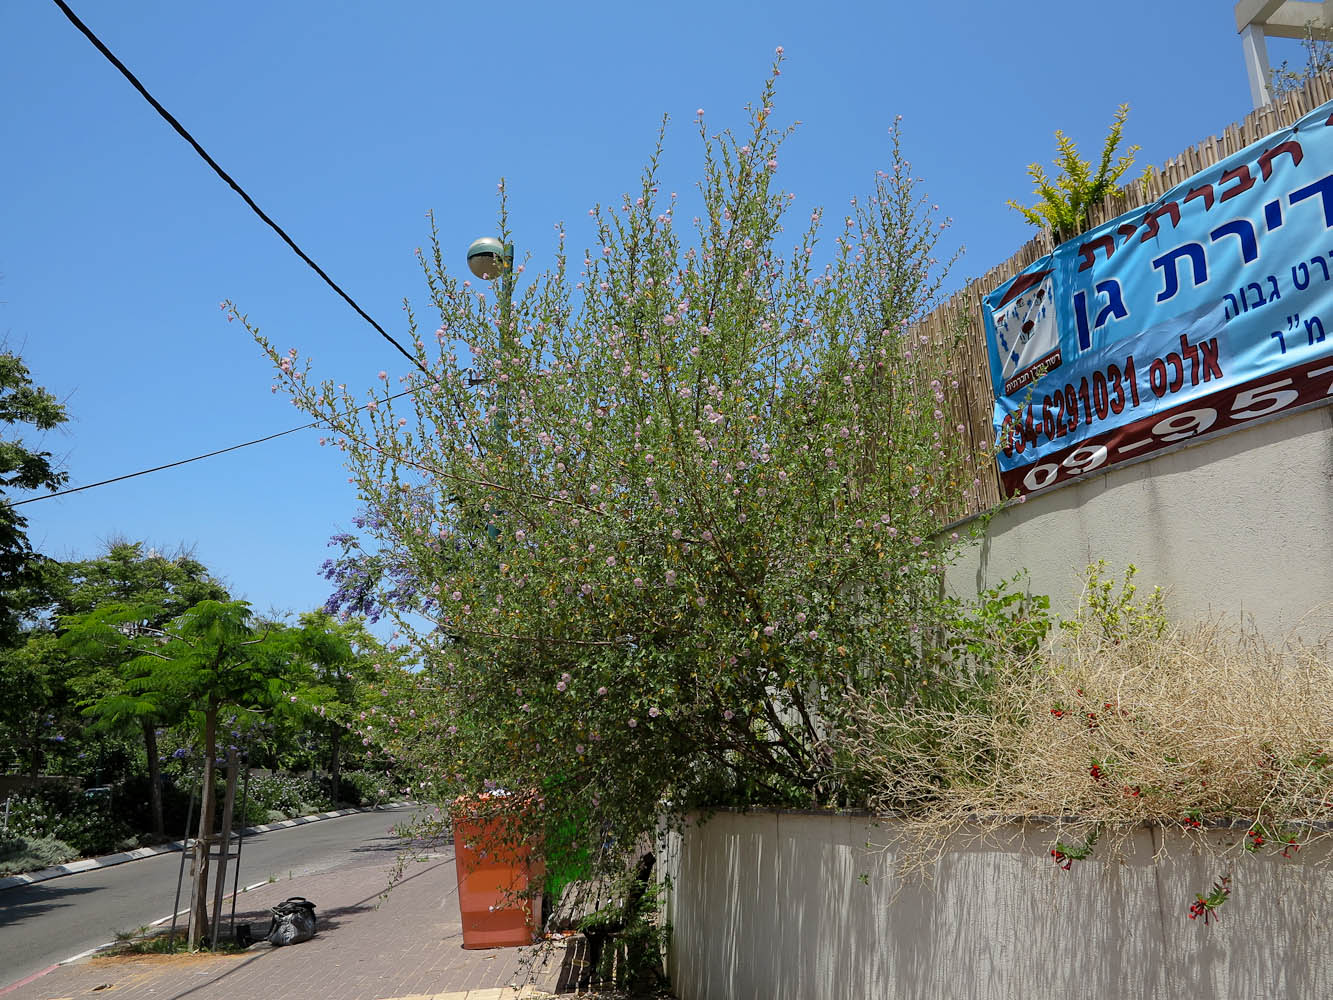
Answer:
(713, 476)
(209, 657)
(23, 466)
(327, 676)
(146, 589)
(38, 699)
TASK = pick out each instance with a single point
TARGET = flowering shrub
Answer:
(287, 793)
(694, 502)
(86, 824)
(364, 788)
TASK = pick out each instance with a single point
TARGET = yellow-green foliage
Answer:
(1116, 616)
(1065, 201)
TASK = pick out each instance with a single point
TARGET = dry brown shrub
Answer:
(1109, 729)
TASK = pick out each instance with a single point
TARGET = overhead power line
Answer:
(194, 458)
(231, 182)
(203, 153)
(159, 468)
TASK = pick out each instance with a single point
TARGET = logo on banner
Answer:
(1026, 331)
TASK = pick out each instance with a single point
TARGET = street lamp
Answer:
(490, 258)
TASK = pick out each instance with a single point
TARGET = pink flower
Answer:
(601, 691)
(653, 712)
(586, 589)
(728, 715)
(384, 376)
(520, 535)
(800, 618)
(633, 723)
(561, 686)
(578, 749)
(671, 578)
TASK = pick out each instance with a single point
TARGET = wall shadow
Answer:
(788, 905)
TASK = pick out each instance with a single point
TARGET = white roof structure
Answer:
(1259, 20)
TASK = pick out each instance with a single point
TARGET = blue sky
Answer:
(348, 122)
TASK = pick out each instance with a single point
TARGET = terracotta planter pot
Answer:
(499, 875)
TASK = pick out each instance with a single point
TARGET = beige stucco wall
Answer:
(1238, 525)
(772, 906)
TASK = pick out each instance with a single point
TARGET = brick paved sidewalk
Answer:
(408, 946)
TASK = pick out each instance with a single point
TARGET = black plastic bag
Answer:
(293, 922)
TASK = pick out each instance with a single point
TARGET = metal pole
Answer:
(180, 876)
(501, 428)
(240, 843)
(506, 295)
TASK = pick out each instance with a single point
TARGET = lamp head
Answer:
(487, 258)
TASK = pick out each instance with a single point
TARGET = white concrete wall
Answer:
(1238, 525)
(771, 906)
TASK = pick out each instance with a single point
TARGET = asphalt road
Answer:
(47, 922)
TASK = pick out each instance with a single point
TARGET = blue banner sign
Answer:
(1195, 315)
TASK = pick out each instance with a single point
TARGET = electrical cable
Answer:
(193, 458)
(203, 153)
(227, 178)
(170, 119)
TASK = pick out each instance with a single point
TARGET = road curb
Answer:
(92, 864)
